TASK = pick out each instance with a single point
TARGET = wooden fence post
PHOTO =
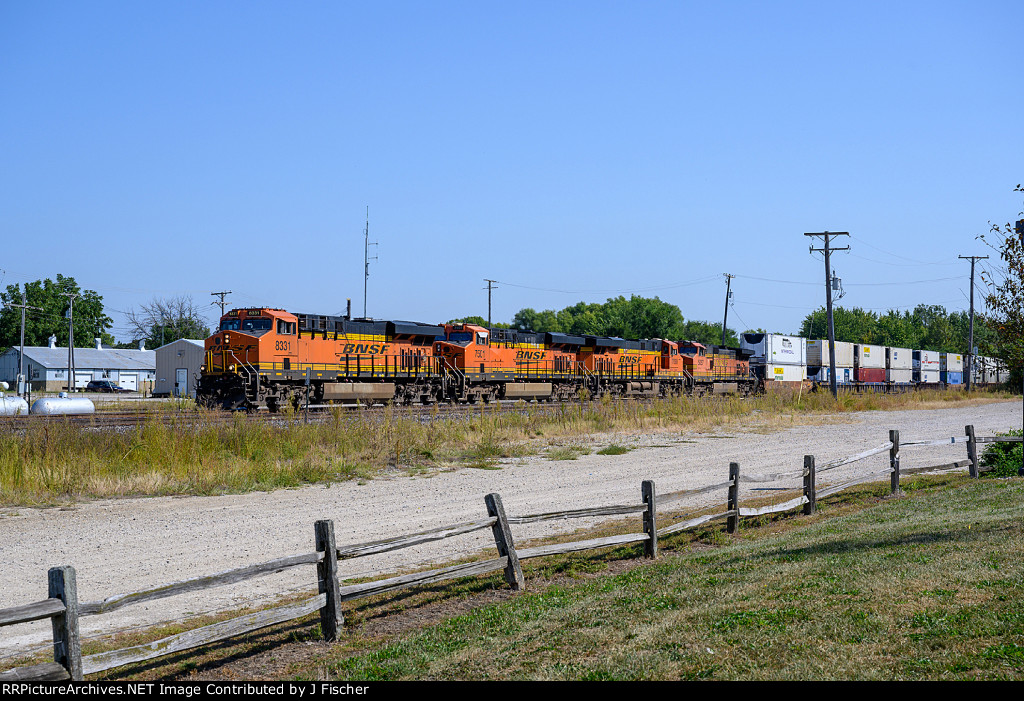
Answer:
(734, 498)
(809, 486)
(894, 461)
(650, 522)
(503, 541)
(332, 620)
(67, 643)
(972, 450)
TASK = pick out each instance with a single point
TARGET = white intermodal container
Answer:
(951, 362)
(775, 349)
(865, 356)
(904, 375)
(926, 376)
(844, 376)
(817, 354)
(899, 359)
(785, 373)
(926, 360)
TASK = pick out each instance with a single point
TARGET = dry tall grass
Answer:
(189, 453)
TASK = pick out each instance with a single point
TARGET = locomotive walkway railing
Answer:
(685, 509)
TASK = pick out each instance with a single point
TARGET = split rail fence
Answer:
(64, 610)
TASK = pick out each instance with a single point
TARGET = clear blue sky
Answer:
(570, 150)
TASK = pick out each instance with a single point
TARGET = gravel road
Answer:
(124, 545)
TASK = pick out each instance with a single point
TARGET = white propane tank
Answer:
(63, 404)
(12, 406)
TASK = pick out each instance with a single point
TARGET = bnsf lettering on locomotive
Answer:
(364, 348)
(529, 355)
(629, 359)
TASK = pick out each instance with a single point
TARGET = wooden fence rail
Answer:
(64, 610)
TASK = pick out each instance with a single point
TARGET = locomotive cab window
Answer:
(285, 327)
(256, 324)
(229, 325)
(481, 339)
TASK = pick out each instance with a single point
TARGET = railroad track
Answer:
(120, 420)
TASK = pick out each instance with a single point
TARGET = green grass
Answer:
(613, 449)
(926, 587)
(567, 452)
(1003, 458)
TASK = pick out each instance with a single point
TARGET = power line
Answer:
(894, 255)
(666, 286)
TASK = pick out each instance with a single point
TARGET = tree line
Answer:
(156, 323)
(636, 317)
(928, 327)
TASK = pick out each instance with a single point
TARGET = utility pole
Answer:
(221, 303)
(490, 286)
(970, 341)
(827, 250)
(71, 339)
(1020, 232)
(21, 356)
(728, 293)
(367, 259)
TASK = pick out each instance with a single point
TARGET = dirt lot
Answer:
(120, 546)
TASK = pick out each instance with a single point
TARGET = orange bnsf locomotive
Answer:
(269, 358)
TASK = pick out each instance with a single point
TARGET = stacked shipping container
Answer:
(926, 366)
(818, 361)
(899, 365)
(777, 357)
(951, 368)
(868, 363)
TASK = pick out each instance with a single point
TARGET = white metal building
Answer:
(177, 368)
(46, 367)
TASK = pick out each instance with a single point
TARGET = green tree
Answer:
(478, 321)
(1005, 299)
(50, 317)
(531, 320)
(899, 330)
(710, 334)
(633, 318)
(851, 325)
(164, 320)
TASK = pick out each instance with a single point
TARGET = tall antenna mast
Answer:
(367, 258)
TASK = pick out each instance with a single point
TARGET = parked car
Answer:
(104, 386)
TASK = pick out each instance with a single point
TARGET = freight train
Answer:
(779, 359)
(264, 358)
